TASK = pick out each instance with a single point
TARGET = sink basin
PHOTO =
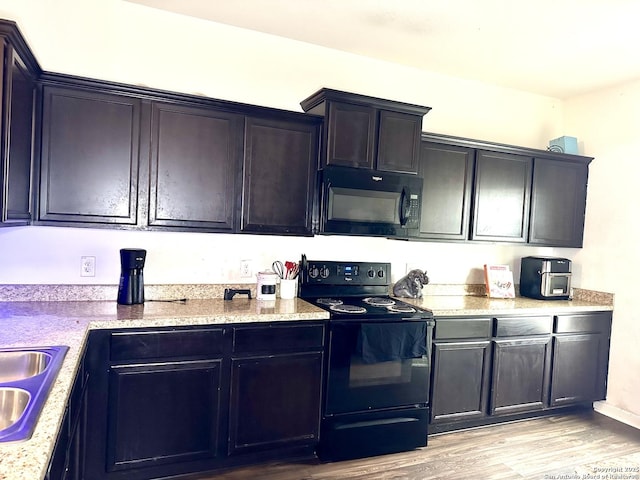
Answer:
(18, 365)
(26, 378)
(13, 403)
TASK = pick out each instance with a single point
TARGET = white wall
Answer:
(120, 41)
(609, 121)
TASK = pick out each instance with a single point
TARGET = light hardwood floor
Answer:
(577, 446)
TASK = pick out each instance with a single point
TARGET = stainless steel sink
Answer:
(20, 365)
(13, 403)
(26, 378)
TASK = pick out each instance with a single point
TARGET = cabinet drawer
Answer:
(583, 322)
(511, 327)
(452, 328)
(198, 342)
(277, 338)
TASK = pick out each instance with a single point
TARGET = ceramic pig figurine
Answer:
(410, 286)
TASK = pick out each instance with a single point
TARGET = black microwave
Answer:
(355, 201)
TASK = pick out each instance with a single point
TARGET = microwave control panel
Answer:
(413, 217)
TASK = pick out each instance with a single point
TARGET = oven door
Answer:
(357, 383)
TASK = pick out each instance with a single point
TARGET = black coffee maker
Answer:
(131, 288)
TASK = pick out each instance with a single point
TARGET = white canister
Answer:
(266, 288)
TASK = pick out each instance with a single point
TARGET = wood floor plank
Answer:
(581, 446)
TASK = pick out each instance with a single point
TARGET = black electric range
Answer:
(376, 393)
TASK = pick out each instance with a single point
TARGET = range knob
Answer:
(371, 273)
(381, 273)
(324, 271)
(314, 271)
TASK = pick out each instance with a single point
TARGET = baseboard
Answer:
(617, 414)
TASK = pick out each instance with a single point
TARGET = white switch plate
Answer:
(87, 266)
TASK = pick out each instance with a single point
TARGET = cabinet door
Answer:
(501, 199)
(67, 459)
(194, 168)
(351, 135)
(577, 374)
(461, 375)
(275, 402)
(163, 413)
(447, 173)
(398, 142)
(558, 202)
(280, 163)
(17, 140)
(89, 171)
(520, 375)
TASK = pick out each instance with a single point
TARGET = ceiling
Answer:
(557, 48)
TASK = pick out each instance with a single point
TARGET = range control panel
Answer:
(345, 273)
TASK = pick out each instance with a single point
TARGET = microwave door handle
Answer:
(404, 207)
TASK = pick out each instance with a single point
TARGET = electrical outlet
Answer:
(87, 266)
(245, 269)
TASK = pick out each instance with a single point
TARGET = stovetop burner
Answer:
(329, 301)
(346, 308)
(401, 308)
(379, 301)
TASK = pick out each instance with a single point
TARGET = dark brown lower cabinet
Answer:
(165, 412)
(155, 401)
(461, 376)
(575, 369)
(67, 460)
(580, 358)
(165, 402)
(520, 375)
(275, 401)
(488, 370)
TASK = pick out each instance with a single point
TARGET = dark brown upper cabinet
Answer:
(501, 197)
(195, 164)
(116, 155)
(482, 191)
(447, 173)
(280, 163)
(368, 132)
(19, 71)
(558, 203)
(90, 157)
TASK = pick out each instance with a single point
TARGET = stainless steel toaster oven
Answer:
(545, 278)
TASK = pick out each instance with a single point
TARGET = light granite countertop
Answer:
(47, 323)
(466, 305)
(33, 324)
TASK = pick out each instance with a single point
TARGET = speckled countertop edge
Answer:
(45, 323)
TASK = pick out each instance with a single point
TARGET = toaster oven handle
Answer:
(404, 207)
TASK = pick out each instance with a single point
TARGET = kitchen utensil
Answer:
(287, 270)
(292, 269)
(279, 268)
